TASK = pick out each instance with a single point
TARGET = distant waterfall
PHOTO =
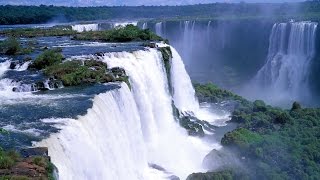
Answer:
(85, 27)
(124, 24)
(188, 37)
(159, 29)
(286, 72)
(145, 25)
(126, 131)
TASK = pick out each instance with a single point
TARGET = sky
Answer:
(124, 2)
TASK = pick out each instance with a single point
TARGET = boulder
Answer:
(220, 160)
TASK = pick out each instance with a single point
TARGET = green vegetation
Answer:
(43, 14)
(220, 175)
(10, 46)
(15, 167)
(74, 73)
(7, 159)
(223, 175)
(38, 32)
(194, 128)
(47, 58)
(212, 93)
(121, 34)
(271, 142)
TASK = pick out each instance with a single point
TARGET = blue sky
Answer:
(124, 2)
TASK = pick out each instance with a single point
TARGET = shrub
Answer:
(40, 161)
(10, 46)
(6, 162)
(241, 138)
(73, 73)
(295, 106)
(47, 58)
(120, 34)
(259, 105)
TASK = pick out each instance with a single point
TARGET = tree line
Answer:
(43, 14)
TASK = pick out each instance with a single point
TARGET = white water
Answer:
(126, 130)
(22, 67)
(159, 28)
(285, 74)
(145, 25)
(183, 92)
(4, 67)
(188, 38)
(107, 143)
(124, 24)
(85, 27)
(184, 95)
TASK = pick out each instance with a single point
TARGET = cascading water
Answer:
(159, 28)
(285, 74)
(22, 67)
(188, 37)
(126, 131)
(183, 92)
(4, 67)
(145, 25)
(124, 24)
(85, 27)
(107, 143)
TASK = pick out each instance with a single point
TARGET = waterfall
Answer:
(159, 28)
(145, 25)
(183, 92)
(124, 24)
(85, 27)
(188, 38)
(125, 131)
(22, 67)
(208, 31)
(106, 143)
(4, 67)
(291, 49)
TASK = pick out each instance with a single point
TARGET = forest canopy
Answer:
(45, 14)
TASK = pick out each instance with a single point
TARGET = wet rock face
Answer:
(39, 86)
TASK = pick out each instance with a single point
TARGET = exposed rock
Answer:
(220, 160)
(173, 177)
(39, 86)
(31, 152)
(13, 64)
(99, 54)
(33, 164)
(27, 58)
(150, 45)
(193, 128)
